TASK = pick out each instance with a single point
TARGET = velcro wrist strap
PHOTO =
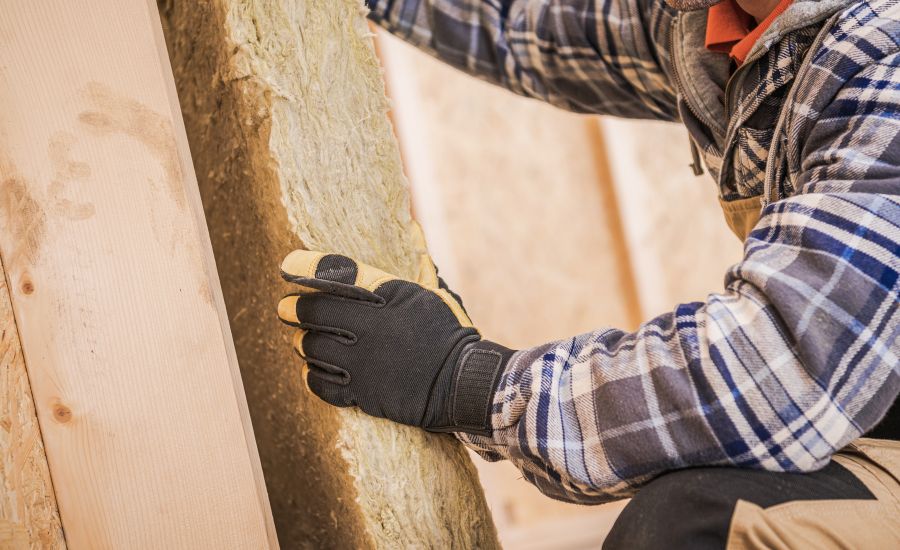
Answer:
(480, 367)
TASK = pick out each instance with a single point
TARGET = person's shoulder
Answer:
(865, 31)
(860, 34)
(885, 9)
(868, 18)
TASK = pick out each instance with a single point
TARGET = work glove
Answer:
(394, 348)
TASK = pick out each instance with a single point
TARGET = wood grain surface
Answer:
(28, 514)
(114, 287)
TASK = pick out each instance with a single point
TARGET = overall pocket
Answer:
(742, 215)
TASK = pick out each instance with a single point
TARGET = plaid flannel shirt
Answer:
(798, 355)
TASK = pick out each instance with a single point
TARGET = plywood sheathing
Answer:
(28, 513)
(285, 109)
(657, 191)
(115, 292)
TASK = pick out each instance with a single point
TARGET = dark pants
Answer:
(853, 502)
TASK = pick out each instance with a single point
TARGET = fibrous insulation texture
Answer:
(285, 111)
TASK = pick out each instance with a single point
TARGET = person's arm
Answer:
(799, 356)
(603, 56)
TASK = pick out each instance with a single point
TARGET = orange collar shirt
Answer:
(731, 30)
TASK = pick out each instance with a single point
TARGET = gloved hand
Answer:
(394, 348)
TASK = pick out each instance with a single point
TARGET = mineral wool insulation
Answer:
(285, 110)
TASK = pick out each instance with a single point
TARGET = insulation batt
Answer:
(287, 119)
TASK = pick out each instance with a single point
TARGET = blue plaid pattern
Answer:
(580, 55)
(800, 353)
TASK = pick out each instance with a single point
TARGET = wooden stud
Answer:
(114, 287)
(28, 514)
(619, 249)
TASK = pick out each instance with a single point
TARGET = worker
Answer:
(761, 417)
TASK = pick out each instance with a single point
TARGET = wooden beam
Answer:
(619, 248)
(28, 514)
(114, 287)
(285, 108)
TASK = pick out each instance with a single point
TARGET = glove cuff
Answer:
(474, 383)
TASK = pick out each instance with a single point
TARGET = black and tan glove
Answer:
(396, 349)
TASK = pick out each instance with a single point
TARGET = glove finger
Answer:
(323, 312)
(328, 372)
(297, 342)
(442, 285)
(427, 272)
(455, 306)
(322, 385)
(326, 348)
(287, 310)
(430, 277)
(330, 382)
(320, 314)
(334, 274)
(304, 373)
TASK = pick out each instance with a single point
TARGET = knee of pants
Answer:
(683, 509)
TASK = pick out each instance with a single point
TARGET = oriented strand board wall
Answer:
(285, 110)
(28, 514)
(681, 246)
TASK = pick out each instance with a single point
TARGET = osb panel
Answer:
(285, 111)
(28, 513)
(680, 244)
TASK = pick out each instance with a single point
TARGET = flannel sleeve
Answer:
(796, 358)
(590, 56)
